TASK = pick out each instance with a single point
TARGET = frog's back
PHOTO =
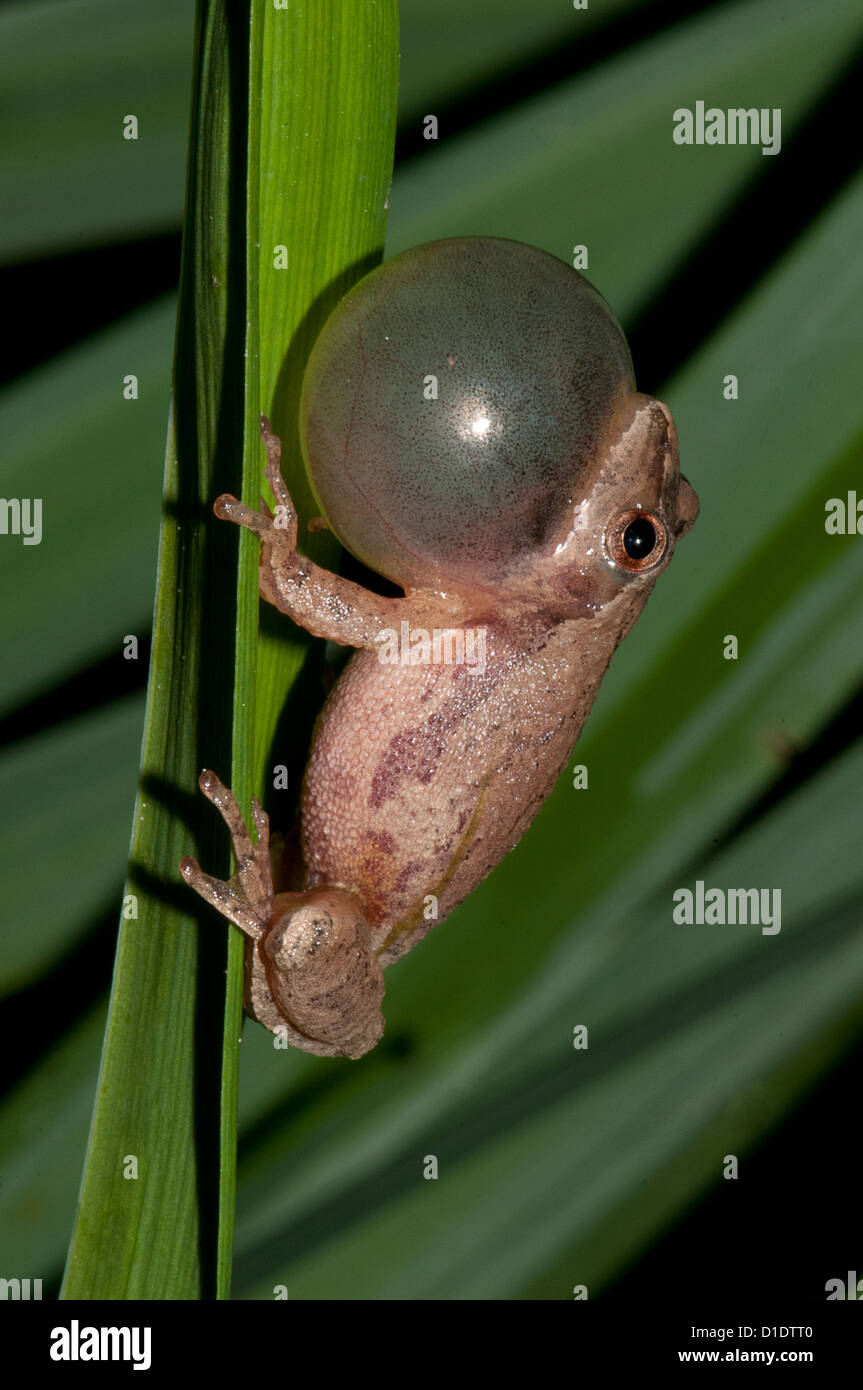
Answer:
(422, 777)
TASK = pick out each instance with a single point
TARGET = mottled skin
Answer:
(422, 777)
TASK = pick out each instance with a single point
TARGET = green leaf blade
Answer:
(168, 1232)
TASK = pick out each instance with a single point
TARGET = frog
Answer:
(472, 432)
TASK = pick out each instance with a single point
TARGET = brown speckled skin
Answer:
(422, 777)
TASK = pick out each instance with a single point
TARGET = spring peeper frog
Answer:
(472, 431)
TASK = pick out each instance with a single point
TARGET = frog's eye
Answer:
(636, 540)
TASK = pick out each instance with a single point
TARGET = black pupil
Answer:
(639, 538)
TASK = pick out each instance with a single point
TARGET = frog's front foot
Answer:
(275, 527)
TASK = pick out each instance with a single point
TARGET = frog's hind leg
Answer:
(311, 974)
(247, 900)
(317, 968)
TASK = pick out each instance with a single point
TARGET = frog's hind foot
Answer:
(246, 899)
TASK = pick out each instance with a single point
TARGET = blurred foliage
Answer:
(557, 1166)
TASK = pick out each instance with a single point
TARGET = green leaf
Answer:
(168, 1234)
(70, 74)
(68, 426)
(94, 759)
(43, 1138)
(591, 161)
(449, 48)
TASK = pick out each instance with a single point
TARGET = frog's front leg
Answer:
(311, 974)
(323, 603)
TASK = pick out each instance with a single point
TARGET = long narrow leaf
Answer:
(165, 1231)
